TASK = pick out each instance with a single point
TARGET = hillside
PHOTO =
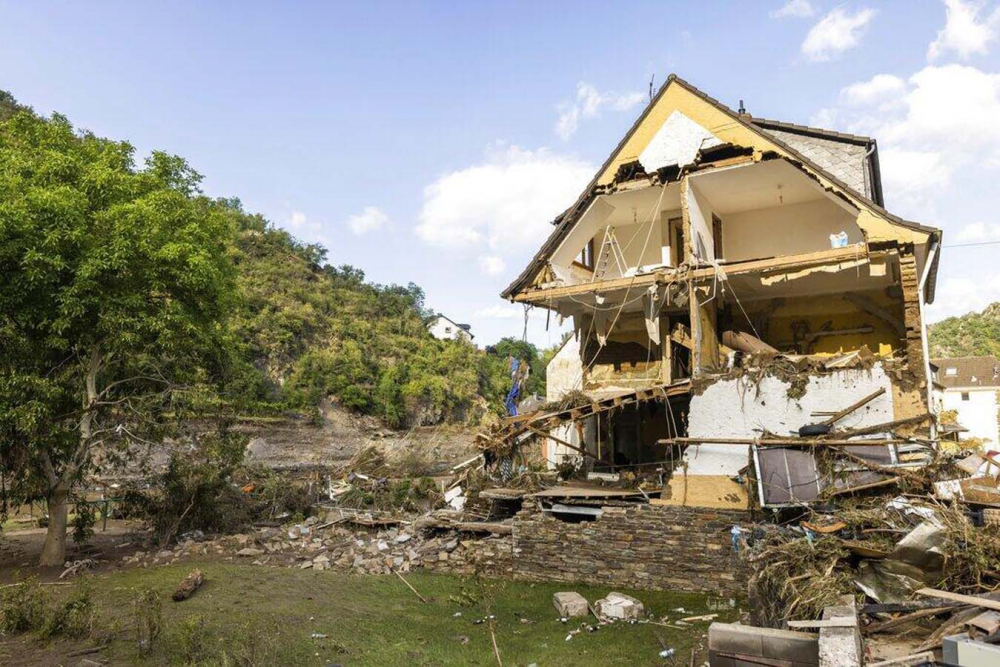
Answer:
(310, 330)
(972, 334)
(302, 333)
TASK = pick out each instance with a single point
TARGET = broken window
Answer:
(586, 257)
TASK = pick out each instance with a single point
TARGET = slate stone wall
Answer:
(638, 546)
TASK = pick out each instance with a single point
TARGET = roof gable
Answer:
(650, 139)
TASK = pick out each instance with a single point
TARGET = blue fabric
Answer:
(515, 389)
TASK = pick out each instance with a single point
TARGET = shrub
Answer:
(147, 620)
(22, 607)
(74, 618)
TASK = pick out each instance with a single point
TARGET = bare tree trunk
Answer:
(54, 549)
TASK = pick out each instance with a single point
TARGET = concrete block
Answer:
(840, 647)
(962, 651)
(620, 607)
(774, 645)
(570, 604)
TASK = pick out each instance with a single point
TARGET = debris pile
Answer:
(363, 543)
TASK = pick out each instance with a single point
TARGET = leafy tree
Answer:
(116, 283)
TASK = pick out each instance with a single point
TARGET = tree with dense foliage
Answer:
(116, 283)
(970, 335)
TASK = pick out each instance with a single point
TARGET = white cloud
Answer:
(794, 8)
(928, 126)
(369, 220)
(837, 32)
(301, 226)
(588, 104)
(964, 32)
(492, 265)
(501, 313)
(825, 117)
(505, 203)
(876, 89)
(957, 296)
(954, 107)
(914, 176)
(978, 232)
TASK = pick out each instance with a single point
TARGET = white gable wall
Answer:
(978, 414)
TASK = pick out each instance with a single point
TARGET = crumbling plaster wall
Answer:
(735, 408)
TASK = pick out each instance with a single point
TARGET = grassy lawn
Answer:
(267, 616)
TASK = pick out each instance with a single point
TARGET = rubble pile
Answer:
(916, 566)
(364, 544)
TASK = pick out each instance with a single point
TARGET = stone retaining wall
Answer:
(490, 556)
(638, 546)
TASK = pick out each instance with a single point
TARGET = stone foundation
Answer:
(636, 546)
(489, 556)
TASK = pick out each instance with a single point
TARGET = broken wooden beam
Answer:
(781, 442)
(971, 600)
(837, 416)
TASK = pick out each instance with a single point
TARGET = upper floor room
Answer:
(695, 184)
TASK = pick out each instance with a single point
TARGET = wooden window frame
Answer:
(587, 254)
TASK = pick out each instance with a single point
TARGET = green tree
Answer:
(116, 283)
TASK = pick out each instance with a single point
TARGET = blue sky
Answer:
(432, 142)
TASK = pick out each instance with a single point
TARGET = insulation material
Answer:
(732, 408)
(651, 302)
(779, 278)
(677, 142)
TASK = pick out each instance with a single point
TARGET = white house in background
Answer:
(970, 386)
(444, 329)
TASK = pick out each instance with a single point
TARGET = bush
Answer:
(22, 607)
(191, 639)
(74, 618)
(147, 620)
(212, 490)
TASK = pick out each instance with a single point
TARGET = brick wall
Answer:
(639, 546)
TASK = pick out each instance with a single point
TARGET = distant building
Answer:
(969, 385)
(444, 329)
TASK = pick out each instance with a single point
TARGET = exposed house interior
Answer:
(709, 245)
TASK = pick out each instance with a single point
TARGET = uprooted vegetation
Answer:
(878, 547)
(212, 489)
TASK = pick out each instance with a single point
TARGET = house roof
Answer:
(825, 146)
(467, 328)
(968, 372)
(851, 158)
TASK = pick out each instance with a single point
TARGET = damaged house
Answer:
(733, 283)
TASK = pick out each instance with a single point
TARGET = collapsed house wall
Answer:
(636, 546)
(736, 408)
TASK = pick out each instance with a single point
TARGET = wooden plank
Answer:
(562, 442)
(670, 275)
(972, 600)
(780, 442)
(851, 408)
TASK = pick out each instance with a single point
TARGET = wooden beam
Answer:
(837, 416)
(664, 276)
(972, 600)
(780, 442)
(877, 311)
(562, 442)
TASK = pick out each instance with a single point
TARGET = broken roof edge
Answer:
(570, 215)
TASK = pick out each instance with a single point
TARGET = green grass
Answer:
(268, 615)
